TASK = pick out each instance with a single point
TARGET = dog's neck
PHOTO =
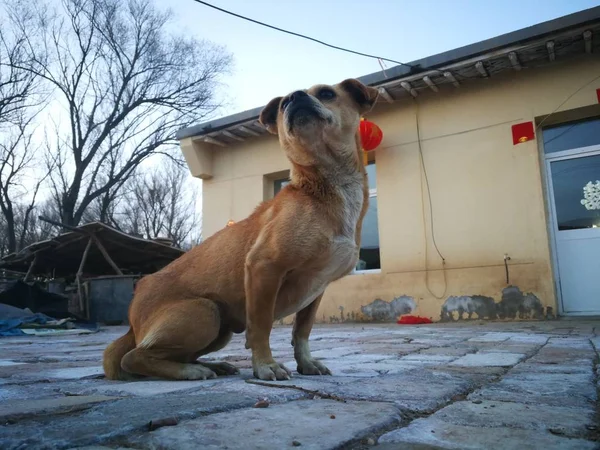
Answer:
(340, 186)
(325, 180)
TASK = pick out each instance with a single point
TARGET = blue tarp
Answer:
(10, 327)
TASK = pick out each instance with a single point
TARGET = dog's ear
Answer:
(364, 96)
(268, 116)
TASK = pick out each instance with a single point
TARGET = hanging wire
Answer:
(566, 100)
(431, 218)
(318, 41)
(239, 16)
(380, 59)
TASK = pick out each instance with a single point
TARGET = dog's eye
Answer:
(326, 94)
(285, 103)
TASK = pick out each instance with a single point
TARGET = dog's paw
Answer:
(312, 367)
(221, 368)
(197, 372)
(271, 372)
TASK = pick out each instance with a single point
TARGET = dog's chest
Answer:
(341, 259)
(343, 251)
(352, 199)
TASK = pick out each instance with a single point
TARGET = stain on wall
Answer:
(513, 305)
(381, 311)
(484, 307)
(351, 317)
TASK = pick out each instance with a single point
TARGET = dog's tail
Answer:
(114, 354)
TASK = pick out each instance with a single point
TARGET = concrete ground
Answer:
(474, 385)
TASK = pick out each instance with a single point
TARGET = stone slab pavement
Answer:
(469, 385)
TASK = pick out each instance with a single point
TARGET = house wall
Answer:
(487, 197)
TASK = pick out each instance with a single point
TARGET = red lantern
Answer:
(370, 135)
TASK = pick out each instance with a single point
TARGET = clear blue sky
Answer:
(268, 63)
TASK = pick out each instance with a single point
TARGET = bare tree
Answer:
(105, 208)
(20, 100)
(161, 203)
(19, 89)
(41, 230)
(19, 185)
(27, 225)
(127, 85)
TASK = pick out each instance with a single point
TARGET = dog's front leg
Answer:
(303, 324)
(262, 283)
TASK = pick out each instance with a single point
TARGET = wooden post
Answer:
(86, 287)
(92, 236)
(80, 273)
(30, 267)
(105, 254)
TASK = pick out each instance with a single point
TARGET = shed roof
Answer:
(534, 46)
(61, 256)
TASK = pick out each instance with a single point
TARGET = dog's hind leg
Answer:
(169, 347)
(220, 368)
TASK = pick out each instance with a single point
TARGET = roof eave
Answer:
(248, 119)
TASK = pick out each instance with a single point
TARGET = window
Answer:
(279, 185)
(575, 177)
(576, 189)
(571, 135)
(369, 243)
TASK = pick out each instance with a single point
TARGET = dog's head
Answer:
(319, 124)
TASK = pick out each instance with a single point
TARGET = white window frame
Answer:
(372, 193)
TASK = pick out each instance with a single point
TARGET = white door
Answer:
(574, 193)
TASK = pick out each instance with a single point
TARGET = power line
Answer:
(335, 47)
(258, 22)
(566, 100)
(347, 50)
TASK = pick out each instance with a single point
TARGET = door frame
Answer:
(549, 158)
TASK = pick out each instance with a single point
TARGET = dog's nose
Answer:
(297, 95)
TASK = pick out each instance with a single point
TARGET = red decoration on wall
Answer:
(522, 132)
(370, 135)
(598, 94)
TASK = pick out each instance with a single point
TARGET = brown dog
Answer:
(275, 263)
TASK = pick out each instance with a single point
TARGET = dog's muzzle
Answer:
(300, 110)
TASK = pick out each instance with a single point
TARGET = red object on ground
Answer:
(413, 320)
(522, 132)
(370, 135)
